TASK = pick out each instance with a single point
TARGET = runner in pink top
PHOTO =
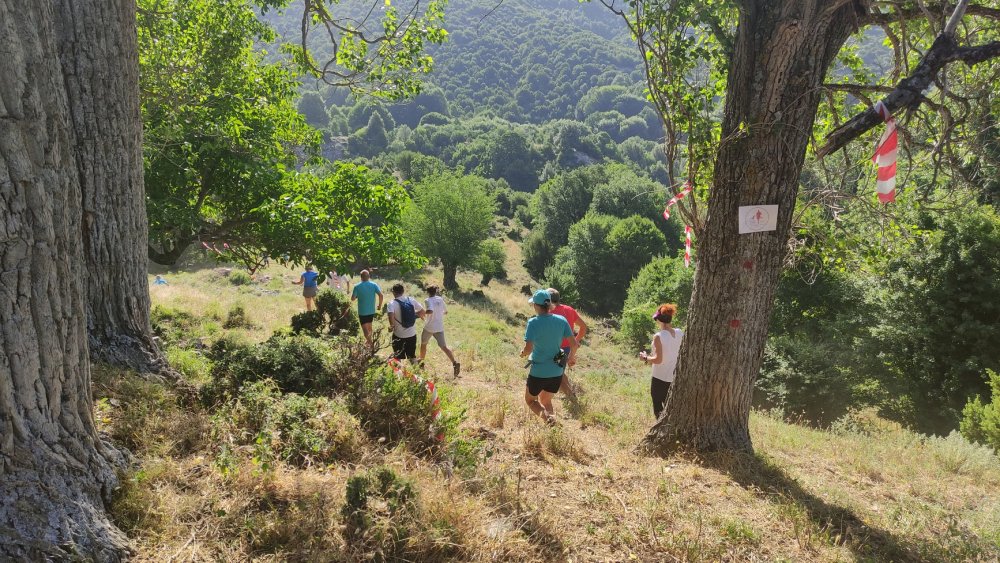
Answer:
(579, 330)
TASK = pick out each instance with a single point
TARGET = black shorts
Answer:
(538, 384)
(404, 348)
(366, 319)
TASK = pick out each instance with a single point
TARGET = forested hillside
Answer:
(520, 91)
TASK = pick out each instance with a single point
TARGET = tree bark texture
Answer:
(450, 273)
(100, 65)
(782, 52)
(55, 472)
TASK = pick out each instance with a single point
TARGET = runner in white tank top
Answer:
(666, 344)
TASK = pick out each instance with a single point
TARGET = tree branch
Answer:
(908, 94)
(886, 18)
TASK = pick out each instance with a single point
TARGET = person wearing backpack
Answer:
(403, 312)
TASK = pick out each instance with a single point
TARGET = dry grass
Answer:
(578, 492)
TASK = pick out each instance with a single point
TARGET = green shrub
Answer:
(172, 325)
(981, 422)
(399, 410)
(379, 514)
(491, 262)
(957, 455)
(237, 318)
(310, 322)
(333, 315)
(192, 364)
(297, 363)
(293, 428)
(340, 316)
(664, 280)
(239, 277)
(539, 253)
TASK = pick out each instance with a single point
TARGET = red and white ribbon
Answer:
(687, 246)
(401, 371)
(673, 201)
(885, 156)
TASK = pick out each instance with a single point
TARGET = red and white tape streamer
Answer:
(673, 201)
(687, 246)
(402, 371)
(885, 156)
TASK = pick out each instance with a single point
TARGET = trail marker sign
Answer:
(758, 218)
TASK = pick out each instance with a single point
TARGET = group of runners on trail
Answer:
(551, 338)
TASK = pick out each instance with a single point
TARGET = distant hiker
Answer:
(666, 344)
(434, 311)
(158, 280)
(364, 293)
(309, 286)
(403, 312)
(338, 282)
(579, 332)
(542, 339)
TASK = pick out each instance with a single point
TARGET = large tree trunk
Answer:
(783, 49)
(450, 273)
(55, 473)
(100, 65)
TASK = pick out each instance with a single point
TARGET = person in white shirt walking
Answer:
(403, 312)
(666, 344)
(434, 311)
(339, 281)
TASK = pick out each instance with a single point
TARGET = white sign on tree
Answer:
(758, 218)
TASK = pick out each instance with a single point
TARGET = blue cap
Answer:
(541, 297)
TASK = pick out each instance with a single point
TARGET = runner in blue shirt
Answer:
(542, 339)
(309, 286)
(364, 293)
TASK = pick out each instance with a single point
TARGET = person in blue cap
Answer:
(542, 341)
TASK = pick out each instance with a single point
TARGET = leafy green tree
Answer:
(502, 153)
(938, 329)
(664, 280)
(416, 167)
(981, 423)
(539, 253)
(564, 200)
(598, 100)
(430, 100)
(220, 123)
(340, 217)
(492, 261)
(434, 118)
(384, 59)
(312, 107)
(449, 220)
(626, 194)
(602, 256)
(811, 366)
(370, 141)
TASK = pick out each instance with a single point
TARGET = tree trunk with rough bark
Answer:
(450, 271)
(55, 472)
(100, 65)
(783, 50)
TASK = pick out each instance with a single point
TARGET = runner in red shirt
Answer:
(579, 330)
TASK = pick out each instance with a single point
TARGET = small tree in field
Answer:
(449, 220)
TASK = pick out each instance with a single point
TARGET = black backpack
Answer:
(407, 314)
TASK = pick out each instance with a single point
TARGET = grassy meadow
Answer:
(864, 490)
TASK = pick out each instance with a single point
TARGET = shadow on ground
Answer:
(479, 301)
(830, 522)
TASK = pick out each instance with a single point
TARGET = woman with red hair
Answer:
(666, 344)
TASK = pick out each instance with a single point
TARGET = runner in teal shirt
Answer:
(542, 340)
(364, 293)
